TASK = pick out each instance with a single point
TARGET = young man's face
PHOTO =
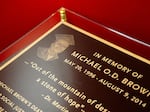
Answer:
(59, 46)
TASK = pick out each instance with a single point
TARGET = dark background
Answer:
(129, 17)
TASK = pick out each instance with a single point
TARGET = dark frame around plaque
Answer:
(101, 71)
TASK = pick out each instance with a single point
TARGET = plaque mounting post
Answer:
(62, 12)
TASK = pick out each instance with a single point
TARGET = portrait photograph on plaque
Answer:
(63, 66)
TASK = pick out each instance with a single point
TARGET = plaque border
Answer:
(63, 20)
(108, 43)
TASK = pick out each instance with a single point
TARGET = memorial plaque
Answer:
(71, 70)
